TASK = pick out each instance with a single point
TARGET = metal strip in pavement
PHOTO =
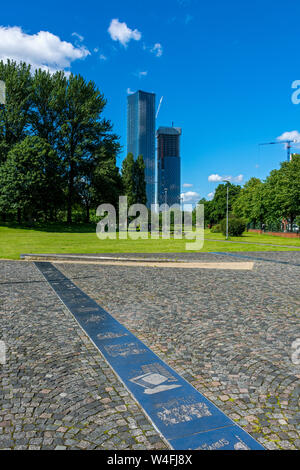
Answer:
(235, 255)
(182, 415)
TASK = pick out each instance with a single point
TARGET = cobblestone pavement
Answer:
(228, 333)
(56, 390)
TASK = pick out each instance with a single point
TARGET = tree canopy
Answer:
(61, 118)
(133, 179)
(259, 202)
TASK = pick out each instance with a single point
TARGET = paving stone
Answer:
(228, 333)
(52, 372)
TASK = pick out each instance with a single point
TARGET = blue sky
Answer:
(225, 70)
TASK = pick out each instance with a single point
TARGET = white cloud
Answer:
(141, 74)
(215, 177)
(120, 32)
(218, 178)
(190, 197)
(157, 49)
(129, 91)
(78, 36)
(292, 135)
(42, 50)
(187, 185)
(210, 195)
(238, 179)
(96, 49)
(102, 57)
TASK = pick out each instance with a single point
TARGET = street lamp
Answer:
(227, 212)
(180, 199)
(166, 195)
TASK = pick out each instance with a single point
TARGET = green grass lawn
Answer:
(82, 239)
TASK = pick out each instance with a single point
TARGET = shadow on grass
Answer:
(55, 227)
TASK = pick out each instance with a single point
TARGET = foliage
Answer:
(216, 228)
(249, 203)
(236, 226)
(219, 204)
(128, 179)
(30, 183)
(259, 202)
(283, 190)
(67, 115)
(14, 116)
(139, 173)
(133, 180)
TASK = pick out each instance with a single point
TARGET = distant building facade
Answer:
(168, 165)
(141, 135)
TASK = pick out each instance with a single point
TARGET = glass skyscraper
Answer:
(168, 165)
(141, 135)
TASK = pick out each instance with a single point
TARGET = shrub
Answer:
(216, 229)
(236, 226)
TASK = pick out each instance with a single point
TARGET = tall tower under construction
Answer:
(141, 135)
(168, 165)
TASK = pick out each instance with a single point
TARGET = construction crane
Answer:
(288, 146)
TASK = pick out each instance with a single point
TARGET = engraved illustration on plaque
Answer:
(186, 409)
(94, 319)
(125, 349)
(110, 335)
(156, 379)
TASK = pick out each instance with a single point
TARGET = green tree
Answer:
(82, 131)
(107, 183)
(283, 191)
(101, 182)
(208, 218)
(14, 115)
(133, 179)
(48, 101)
(139, 174)
(251, 203)
(128, 179)
(67, 113)
(219, 202)
(30, 182)
(236, 226)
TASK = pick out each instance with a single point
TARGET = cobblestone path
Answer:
(56, 390)
(228, 333)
